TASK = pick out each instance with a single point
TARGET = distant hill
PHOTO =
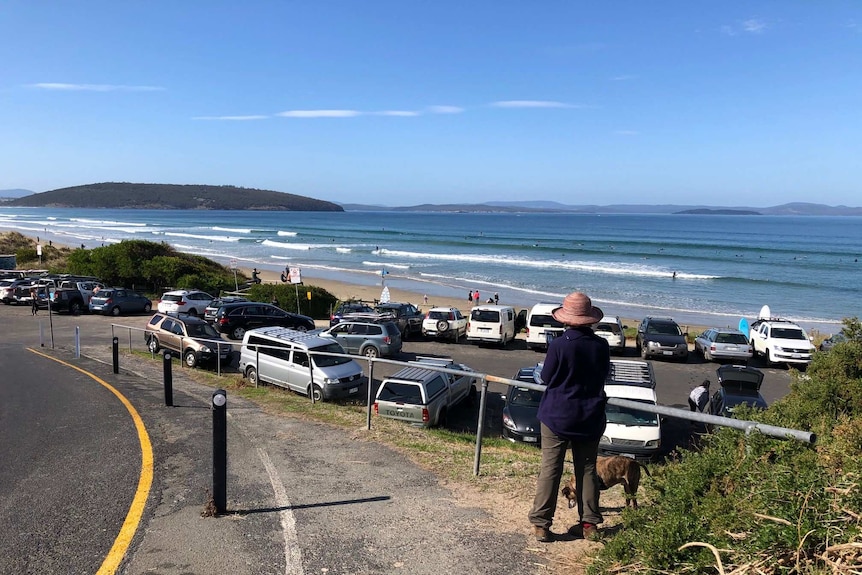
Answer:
(124, 195)
(14, 193)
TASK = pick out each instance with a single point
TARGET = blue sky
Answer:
(407, 102)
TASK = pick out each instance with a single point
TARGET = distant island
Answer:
(124, 195)
(719, 212)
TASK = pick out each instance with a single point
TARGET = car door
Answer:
(170, 334)
(340, 333)
(298, 370)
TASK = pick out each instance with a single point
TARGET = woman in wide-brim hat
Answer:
(572, 415)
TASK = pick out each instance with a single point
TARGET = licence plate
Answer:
(353, 390)
(667, 352)
(797, 355)
(530, 439)
(484, 329)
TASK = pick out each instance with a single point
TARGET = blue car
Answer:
(520, 414)
(119, 301)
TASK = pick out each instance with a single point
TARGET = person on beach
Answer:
(425, 299)
(572, 414)
(699, 396)
(496, 298)
(476, 296)
(470, 296)
(254, 274)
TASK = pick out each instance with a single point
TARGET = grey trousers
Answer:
(584, 455)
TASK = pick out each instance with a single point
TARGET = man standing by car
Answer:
(572, 413)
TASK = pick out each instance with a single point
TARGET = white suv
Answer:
(444, 323)
(192, 302)
(781, 341)
(613, 330)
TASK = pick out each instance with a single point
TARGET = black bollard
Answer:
(116, 354)
(219, 407)
(169, 380)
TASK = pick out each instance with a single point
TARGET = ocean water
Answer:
(698, 269)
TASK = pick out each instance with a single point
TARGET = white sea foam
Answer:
(343, 250)
(106, 222)
(202, 237)
(233, 230)
(286, 245)
(387, 265)
(288, 234)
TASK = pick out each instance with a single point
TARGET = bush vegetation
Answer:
(754, 504)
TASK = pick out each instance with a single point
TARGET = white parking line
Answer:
(292, 551)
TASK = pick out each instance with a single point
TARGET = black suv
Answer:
(661, 337)
(235, 319)
(346, 307)
(406, 316)
(68, 299)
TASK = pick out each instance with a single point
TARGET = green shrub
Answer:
(317, 307)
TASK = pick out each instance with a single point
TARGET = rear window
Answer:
(487, 315)
(731, 338)
(402, 392)
(438, 315)
(543, 320)
(611, 327)
(167, 297)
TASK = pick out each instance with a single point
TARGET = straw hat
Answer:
(577, 310)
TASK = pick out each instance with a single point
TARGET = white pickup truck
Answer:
(780, 341)
(423, 396)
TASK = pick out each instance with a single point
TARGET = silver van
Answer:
(280, 356)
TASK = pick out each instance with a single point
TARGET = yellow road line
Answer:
(136, 510)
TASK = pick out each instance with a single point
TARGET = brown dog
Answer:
(611, 471)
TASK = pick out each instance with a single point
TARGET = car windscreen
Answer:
(400, 392)
(788, 333)
(630, 417)
(525, 397)
(488, 315)
(544, 321)
(664, 329)
(203, 330)
(731, 338)
(328, 360)
(611, 327)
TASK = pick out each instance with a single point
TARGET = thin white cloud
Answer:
(231, 118)
(94, 87)
(319, 114)
(400, 113)
(754, 26)
(445, 109)
(530, 104)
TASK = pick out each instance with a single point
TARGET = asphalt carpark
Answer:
(674, 379)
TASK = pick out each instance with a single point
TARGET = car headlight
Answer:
(507, 421)
(330, 380)
(605, 439)
(653, 344)
(205, 349)
(653, 443)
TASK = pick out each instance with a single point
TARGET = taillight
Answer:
(468, 326)
(712, 347)
(181, 303)
(426, 417)
(222, 321)
(387, 339)
(376, 412)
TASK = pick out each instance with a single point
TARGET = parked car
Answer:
(521, 409)
(68, 299)
(630, 432)
(491, 323)
(188, 336)
(738, 385)
(422, 396)
(444, 323)
(21, 295)
(119, 301)
(287, 358)
(833, 340)
(781, 341)
(236, 318)
(613, 330)
(346, 307)
(541, 326)
(661, 337)
(723, 344)
(367, 337)
(406, 315)
(191, 302)
(87, 287)
(212, 308)
(8, 288)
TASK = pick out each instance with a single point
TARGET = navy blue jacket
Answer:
(577, 364)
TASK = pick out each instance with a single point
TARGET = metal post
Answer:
(311, 377)
(41, 335)
(257, 364)
(296, 288)
(218, 359)
(115, 350)
(480, 426)
(368, 384)
(77, 342)
(168, 379)
(219, 407)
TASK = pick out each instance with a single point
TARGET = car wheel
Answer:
(237, 332)
(370, 351)
(644, 353)
(315, 393)
(75, 308)
(153, 344)
(443, 420)
(301, 328)
(115, 311)
(442, 326)
(190, 358)
(148, 308)
(768, 356)
(251, 376)
(706, 355)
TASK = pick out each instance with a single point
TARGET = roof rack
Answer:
(631, 372)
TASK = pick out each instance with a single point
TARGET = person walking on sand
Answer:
(572, 415)
(476, 296)
(470, 296)
(699, 396)
(496, 298)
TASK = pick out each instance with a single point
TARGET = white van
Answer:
(491, 323)
(280, 356)
(541, 325)
(631, 432)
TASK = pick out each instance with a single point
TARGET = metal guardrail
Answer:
(484, 378)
